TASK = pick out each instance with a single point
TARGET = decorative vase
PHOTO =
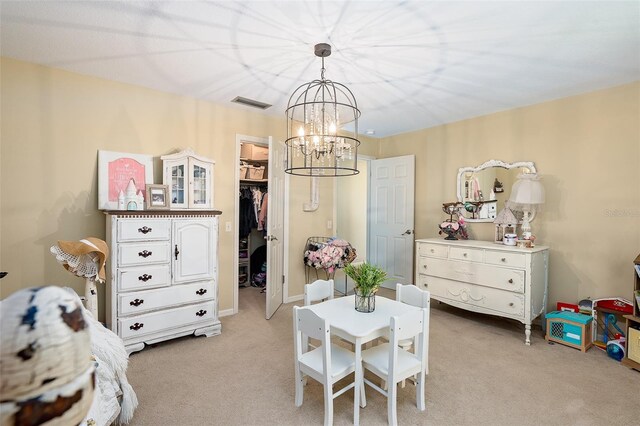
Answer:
(365, 303)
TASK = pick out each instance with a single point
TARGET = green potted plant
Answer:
(367, 279)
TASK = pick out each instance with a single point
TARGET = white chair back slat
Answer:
(317, 291)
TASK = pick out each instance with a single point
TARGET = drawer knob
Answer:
(504, 259)
(137, 326)
(201, 313)
(433, 251)
(510, 280)
(145, 230)
(201, 292)
(464, 254)
(145, 253)
(145, 277)
(511, 304)
(136, 302)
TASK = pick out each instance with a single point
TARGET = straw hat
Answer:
(94, 247)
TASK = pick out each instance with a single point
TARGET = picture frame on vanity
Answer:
(116, 170)
(157, 197)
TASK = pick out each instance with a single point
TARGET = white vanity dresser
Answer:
(485, 277)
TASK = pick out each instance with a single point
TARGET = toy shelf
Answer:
(632, 352)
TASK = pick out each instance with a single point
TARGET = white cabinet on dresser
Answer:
(162, 275)
(485, 277)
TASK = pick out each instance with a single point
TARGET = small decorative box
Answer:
(569, 328)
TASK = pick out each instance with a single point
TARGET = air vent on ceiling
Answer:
(250, 102)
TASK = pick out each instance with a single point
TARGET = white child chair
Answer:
(393, 364)
(317, 291)
(327, 363)
(412, 295)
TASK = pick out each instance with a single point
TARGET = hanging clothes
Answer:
(257, 199)
(262, 217)
(247, 215)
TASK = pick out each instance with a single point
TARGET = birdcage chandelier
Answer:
(322, 127)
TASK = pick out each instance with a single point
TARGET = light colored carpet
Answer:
(481, 373)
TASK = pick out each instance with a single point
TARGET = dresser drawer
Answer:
(145, 253)
(164, 321)
(465, 253)
(433, 250)
(143, 229)
(144, 277)
(475, 273)
(498, 301)
(144, 301)
(514, 260)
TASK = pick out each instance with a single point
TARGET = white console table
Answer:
(486, 277)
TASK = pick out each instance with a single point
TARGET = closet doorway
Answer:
(259, 248)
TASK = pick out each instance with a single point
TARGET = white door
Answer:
(391, 201)
(275, 227)
(193, 250)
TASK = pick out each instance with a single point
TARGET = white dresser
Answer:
(162, 275)
(485, 277)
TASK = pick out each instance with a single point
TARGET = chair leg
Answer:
(392, 395)
(420, 392)
(328, 404)
(299, 387)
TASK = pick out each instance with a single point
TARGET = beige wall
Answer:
(53, 124)
(587, 150)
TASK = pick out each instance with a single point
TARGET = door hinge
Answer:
(283, 279)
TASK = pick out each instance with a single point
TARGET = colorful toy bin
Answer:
(569, 328)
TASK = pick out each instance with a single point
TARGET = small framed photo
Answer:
(157, 197)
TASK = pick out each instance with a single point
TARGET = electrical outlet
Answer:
(329, 224)
(227, 226)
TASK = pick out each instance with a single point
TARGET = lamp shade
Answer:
(527, 193)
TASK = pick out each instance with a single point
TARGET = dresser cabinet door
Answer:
(193, 250)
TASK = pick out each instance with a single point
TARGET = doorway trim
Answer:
(236, 228)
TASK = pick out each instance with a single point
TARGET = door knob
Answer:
(271, 238)
(408, 232)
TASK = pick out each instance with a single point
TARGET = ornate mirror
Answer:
(483, 190)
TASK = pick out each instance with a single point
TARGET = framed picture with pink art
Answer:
(122, 176)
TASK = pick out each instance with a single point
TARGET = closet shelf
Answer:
(254, 181)
(249, 160)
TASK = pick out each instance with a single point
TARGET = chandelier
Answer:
(322, 127)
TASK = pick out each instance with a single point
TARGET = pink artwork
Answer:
(120, 172)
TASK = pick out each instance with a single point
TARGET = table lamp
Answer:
(527, 196)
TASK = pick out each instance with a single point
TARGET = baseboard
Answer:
(294, 298)
(226, 313)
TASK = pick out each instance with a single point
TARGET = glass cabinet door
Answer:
(178, 187)
(200, 195)
(199, 185)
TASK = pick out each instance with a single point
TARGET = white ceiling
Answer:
(410, 64)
